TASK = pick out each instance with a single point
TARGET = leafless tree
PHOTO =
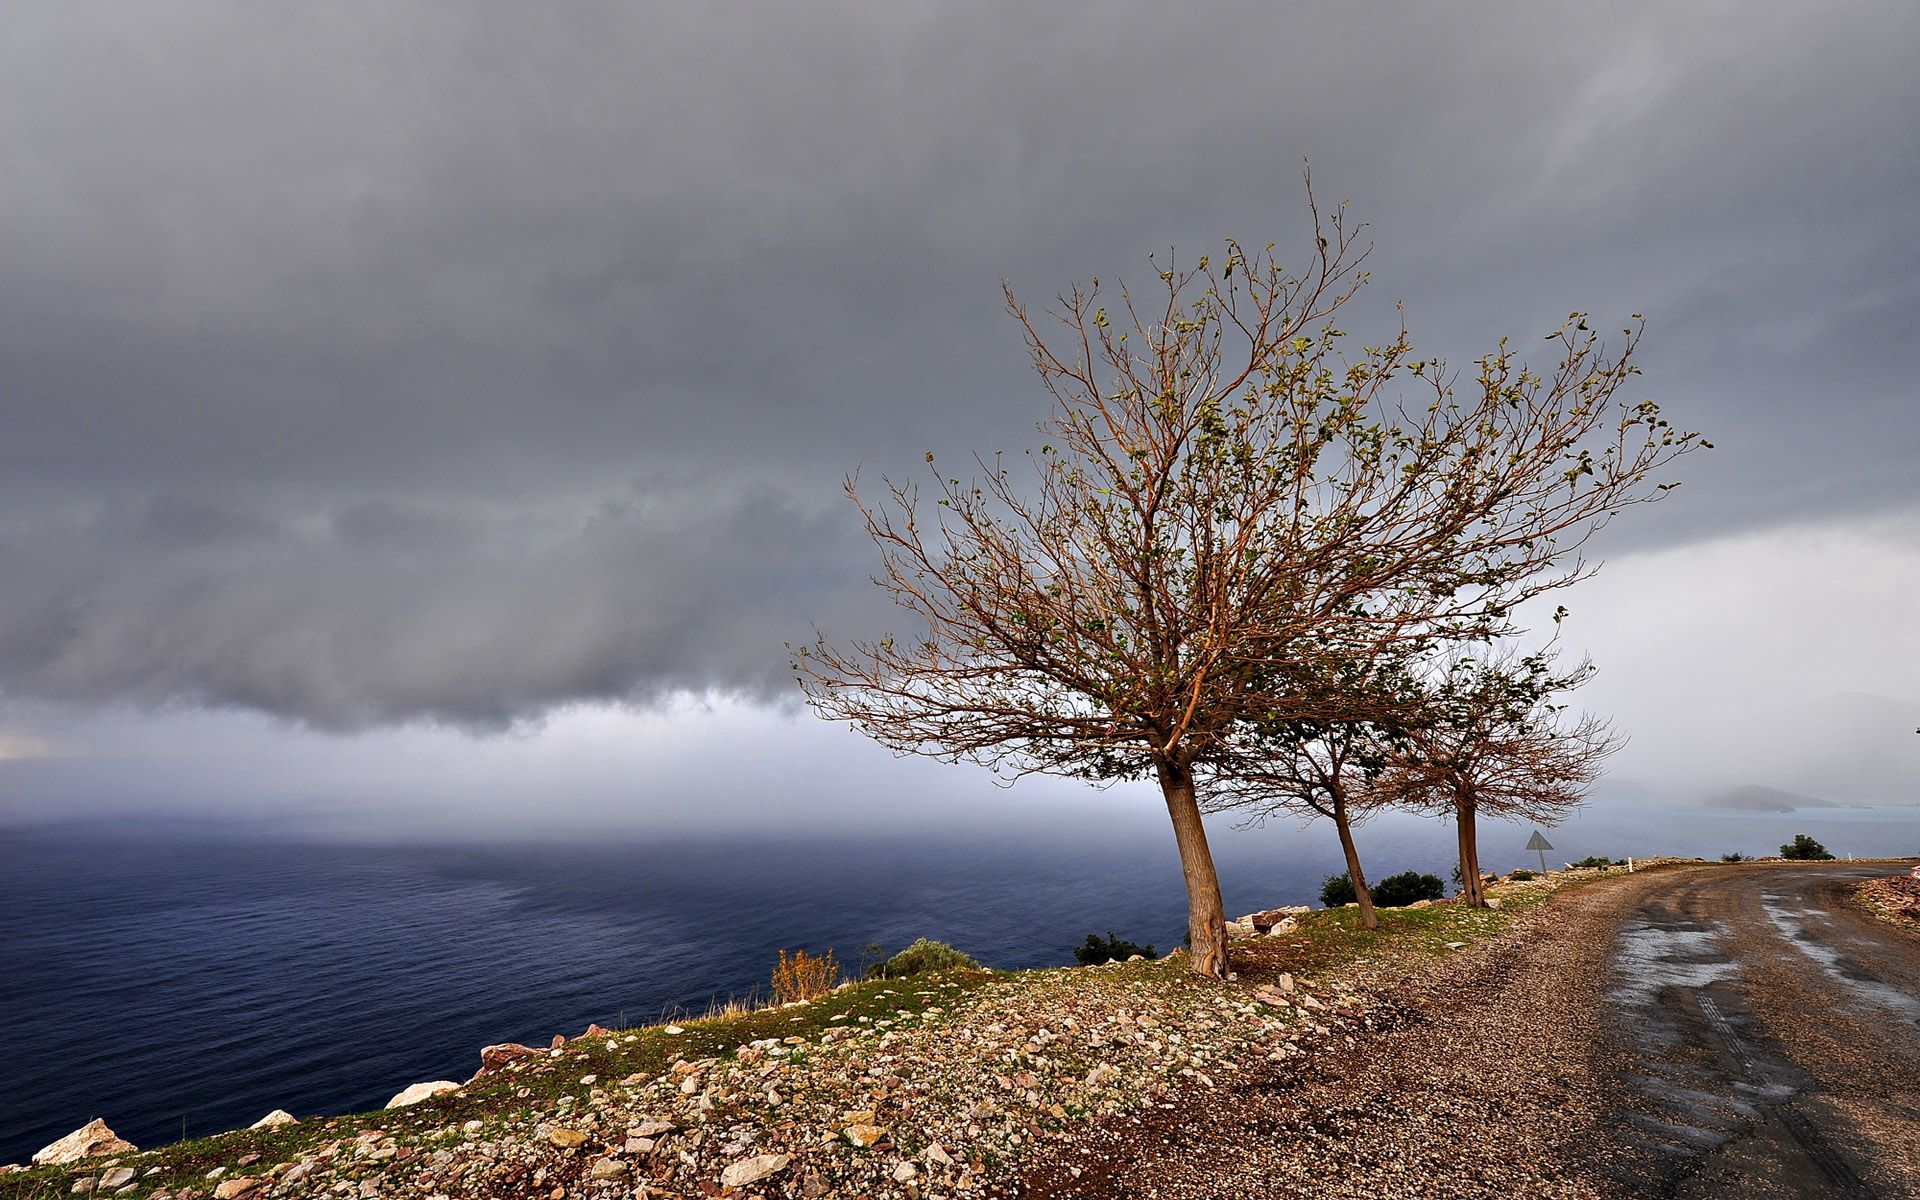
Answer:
(1494, 740)
(1223, 495)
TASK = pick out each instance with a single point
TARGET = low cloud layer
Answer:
(383, 613)
(331, 348)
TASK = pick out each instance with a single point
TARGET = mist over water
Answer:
(176, 982)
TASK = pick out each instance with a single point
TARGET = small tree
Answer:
(1492, 740)
(1805, 849)
(1324, 765)
(1225, 495)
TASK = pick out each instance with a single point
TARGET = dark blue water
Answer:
(191, 983)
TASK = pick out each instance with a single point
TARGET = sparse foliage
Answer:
(1227, 494)
(1491, 739)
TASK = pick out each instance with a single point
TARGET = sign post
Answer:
(1536, 842)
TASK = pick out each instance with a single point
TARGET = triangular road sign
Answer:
(1536, 842)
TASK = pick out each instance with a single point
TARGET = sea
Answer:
(180, 981)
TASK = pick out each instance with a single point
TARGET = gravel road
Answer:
(1687, 1032)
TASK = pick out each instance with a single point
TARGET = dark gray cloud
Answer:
(332, 341)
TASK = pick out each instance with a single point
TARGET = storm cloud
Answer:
(459, 364)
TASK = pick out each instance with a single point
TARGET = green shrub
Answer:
(1096, 950)
(1337, 890)
(1595, 860)
(1395, 891)
(1804, 848)
(1736, 856)
(1398, 891)
(1521, 875)
(922, 956)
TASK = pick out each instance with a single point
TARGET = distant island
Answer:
(1754, 797)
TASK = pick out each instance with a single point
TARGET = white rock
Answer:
(275, 1119)
(422, 1091)
(904, 1172)
(118, 1177)
(91, 1140)
(753, 1170)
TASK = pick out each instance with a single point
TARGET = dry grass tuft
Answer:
(804, 977)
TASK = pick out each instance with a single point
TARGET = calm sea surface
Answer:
(184, 983)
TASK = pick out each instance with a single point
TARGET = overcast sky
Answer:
(441, 408)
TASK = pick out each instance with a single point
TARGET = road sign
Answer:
(1537, 842)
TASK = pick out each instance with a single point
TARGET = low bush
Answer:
(1521, 875)
(1096, 950)
(1337, 890)
(1736, 856)
(922, 956)
(804, 977)
(1804, 849)
(1395, 891)
(1398, 891)
(1594, 860)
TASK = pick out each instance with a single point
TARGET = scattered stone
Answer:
(905, 1171)
(567, 1139)
(559, 1040)
(275, 1120)
(492, 1058)
(82, 1185)
(1456, 945)
(674, 1029)
(118, 1177)
(936, 1154)
(864, 1136)
(232, 1189)
(417, 1092)
(753, 1170)
(607, 1168)
(597, 1030)
(92, 1140)
(1264, 921)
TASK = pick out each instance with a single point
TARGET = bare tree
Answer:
(1223, 495)
(1493, 740)
(1325, 765)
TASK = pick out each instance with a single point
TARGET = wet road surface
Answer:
(1768, 1036)
(1687, 1032)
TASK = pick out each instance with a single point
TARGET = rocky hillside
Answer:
(935, 1085)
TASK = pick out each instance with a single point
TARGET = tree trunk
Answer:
(1463, 818)
(1206, 913)
(1341, 822)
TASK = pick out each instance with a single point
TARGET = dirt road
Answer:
(1695, 1032)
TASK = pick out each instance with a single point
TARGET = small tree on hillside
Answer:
(1223, 496)
(1325, 764)
(1493, 741)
